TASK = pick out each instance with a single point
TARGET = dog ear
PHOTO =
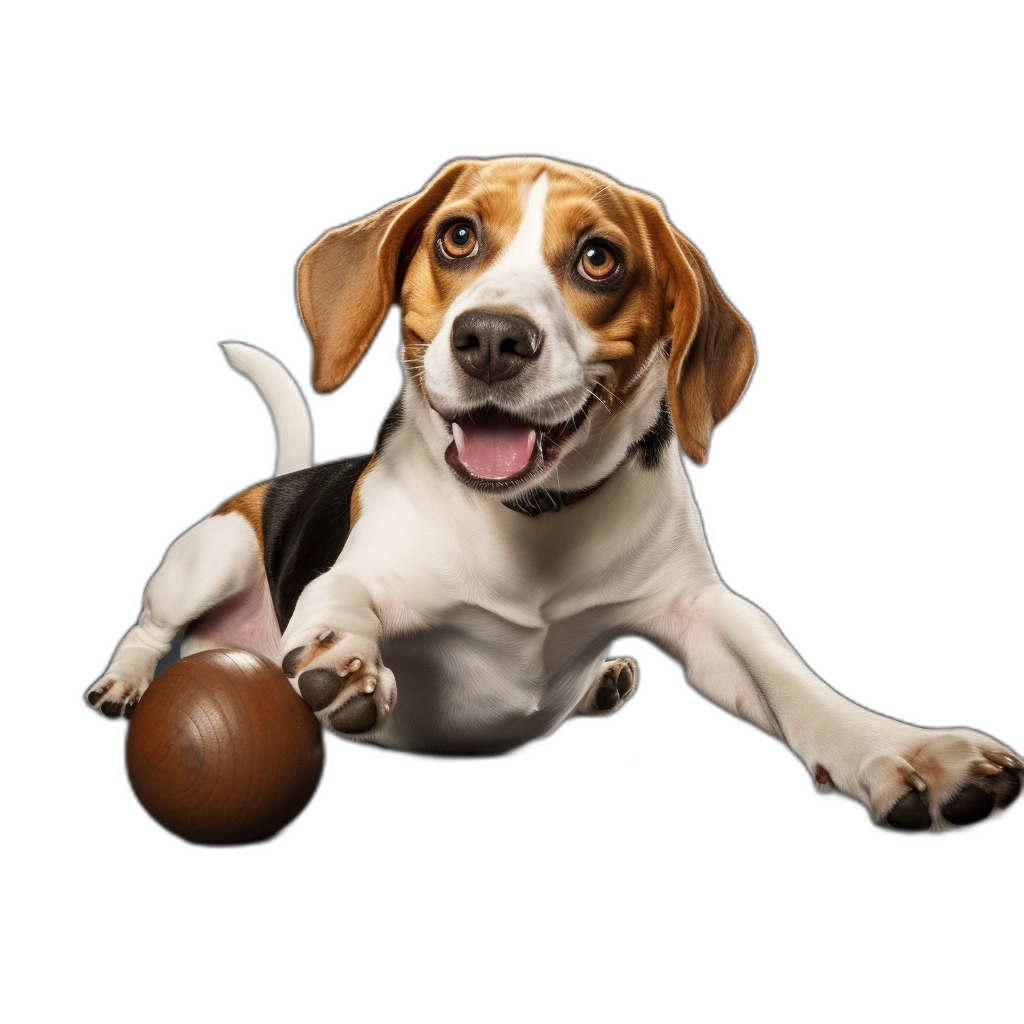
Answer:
(347, 280)
(712, 350)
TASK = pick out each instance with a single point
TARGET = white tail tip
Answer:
(284, 398)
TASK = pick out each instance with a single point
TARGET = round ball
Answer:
(221, 749)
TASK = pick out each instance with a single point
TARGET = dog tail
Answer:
(288, 408)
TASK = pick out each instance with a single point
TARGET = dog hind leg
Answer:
(615, 684)
(205, 566)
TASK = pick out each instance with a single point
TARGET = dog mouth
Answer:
(493, 450)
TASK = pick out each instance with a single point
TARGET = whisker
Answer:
(597, 398)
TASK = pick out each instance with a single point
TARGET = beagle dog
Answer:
(457, 590)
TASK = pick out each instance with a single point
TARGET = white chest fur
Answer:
(495, 624)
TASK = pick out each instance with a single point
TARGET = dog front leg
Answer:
(908, 776)
(331, 654)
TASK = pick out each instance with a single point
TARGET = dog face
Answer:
(547, 310)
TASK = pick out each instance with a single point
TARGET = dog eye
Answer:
(459, 240)
(597, 263)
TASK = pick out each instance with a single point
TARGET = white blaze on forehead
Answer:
(527, 248)
(519, 276)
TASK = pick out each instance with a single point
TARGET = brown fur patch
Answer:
(249, 505)
(355, 506)
(347, 281)
(626, 320)
(315, 649)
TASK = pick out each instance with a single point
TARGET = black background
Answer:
(859, 494)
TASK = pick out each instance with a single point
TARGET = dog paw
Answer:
(341, 677)
(942, 778)
(614, 685)
(115, 696)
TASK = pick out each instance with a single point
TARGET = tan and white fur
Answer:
(450, 621)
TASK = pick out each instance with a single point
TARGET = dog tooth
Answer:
(460, 438)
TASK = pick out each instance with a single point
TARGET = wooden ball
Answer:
(221, 749)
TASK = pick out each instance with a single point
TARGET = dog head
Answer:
(547, 313)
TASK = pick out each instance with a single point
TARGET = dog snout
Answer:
(494, 346)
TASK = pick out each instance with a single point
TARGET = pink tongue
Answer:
(494, 451)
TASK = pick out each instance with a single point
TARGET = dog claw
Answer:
(986, 768)
(915, 780)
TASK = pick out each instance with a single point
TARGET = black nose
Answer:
(493, 346)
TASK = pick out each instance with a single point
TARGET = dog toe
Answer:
(971, 804)
(1005, 787)
(910, 813)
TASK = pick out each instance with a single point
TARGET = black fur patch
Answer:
(391, 421)
(305, 526)
(306, 521)
(650, 447)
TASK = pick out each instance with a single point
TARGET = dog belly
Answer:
(484, 685)
(244, 622)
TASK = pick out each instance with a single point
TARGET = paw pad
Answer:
(320, 686)
(910, 813)
(355, 715)
(971, 804)
(615, 685)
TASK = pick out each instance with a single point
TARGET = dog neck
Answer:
(540, 500)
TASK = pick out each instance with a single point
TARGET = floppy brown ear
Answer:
(712, 353)
(347, 280)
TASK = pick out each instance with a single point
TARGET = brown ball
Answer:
(221, 749)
